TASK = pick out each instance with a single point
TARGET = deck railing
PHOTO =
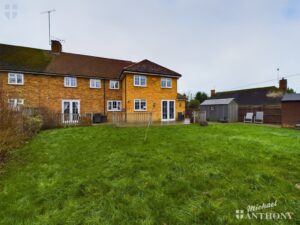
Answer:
(119, 118)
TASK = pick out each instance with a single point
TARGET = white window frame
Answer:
(140, 104)
(15, 76)
(165, 79)
(69, 83)
(16, 102)
(93, 83)
(71, 118)
(112, 103)
(112, 84)
(139, 77)
(168, 110)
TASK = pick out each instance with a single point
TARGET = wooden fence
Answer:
(272, 113)
(199, 116)
(119, 118)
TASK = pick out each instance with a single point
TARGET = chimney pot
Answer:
(283, 85)
(212, 93)
(56, 46)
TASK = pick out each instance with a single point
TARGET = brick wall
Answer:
(153, 93)
(48, 91)
(290, 114)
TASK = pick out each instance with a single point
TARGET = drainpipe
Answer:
(104, 97)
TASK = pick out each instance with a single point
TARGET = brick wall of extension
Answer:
(44, 91)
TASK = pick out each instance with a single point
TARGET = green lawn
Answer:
(181, 175)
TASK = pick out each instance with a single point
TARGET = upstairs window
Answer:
(166, 82)
(140, 80)
(140, 105)
(114, 105)
(95, 83)
(114, 84)
(70, 82)
(16, 78)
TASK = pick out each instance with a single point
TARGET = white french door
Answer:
(167, 110)
(70, 111)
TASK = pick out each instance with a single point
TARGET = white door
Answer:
(167, 110)
(70, 111)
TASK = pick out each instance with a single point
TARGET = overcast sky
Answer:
(213, 44)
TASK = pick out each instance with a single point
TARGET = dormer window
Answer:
(166, 82)
(70, 82)
(140, 81)
(114, 84)
(16, 78)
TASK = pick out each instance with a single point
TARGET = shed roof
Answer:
(222, 101)
(291, 98)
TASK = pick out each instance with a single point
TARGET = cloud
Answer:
(214, 44)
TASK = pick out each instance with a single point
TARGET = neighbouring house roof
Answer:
(256, 96)
(181, 97)
(222, 101)
(291, 98)
(24, 59)
(147, 66)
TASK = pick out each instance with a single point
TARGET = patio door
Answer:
(70, 111)
(167, 110)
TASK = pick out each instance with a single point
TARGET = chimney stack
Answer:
(283, 85)
(56, 46)
(212, 93)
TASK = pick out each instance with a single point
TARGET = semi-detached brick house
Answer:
(76, 84)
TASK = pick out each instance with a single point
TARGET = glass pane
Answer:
(165, 109)
(136, 80)
(12, 79)
(171, 109)
(75, 108)
(163, 83)
(119, 106)
(66, 107)
(19, 79)
(136, 105)
(168, 82)
(143, 81)
(143, 105)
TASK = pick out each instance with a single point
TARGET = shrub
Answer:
(32, 125)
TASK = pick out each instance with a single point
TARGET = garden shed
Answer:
(222, 110)
(291, 110)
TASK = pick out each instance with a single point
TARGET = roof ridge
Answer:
(248, 89)
(69, 53)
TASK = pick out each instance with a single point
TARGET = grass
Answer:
(181, 175)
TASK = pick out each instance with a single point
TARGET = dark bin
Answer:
(103, 119)
(97, 118)
(180, 116)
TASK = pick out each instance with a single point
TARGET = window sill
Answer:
(16, 84)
